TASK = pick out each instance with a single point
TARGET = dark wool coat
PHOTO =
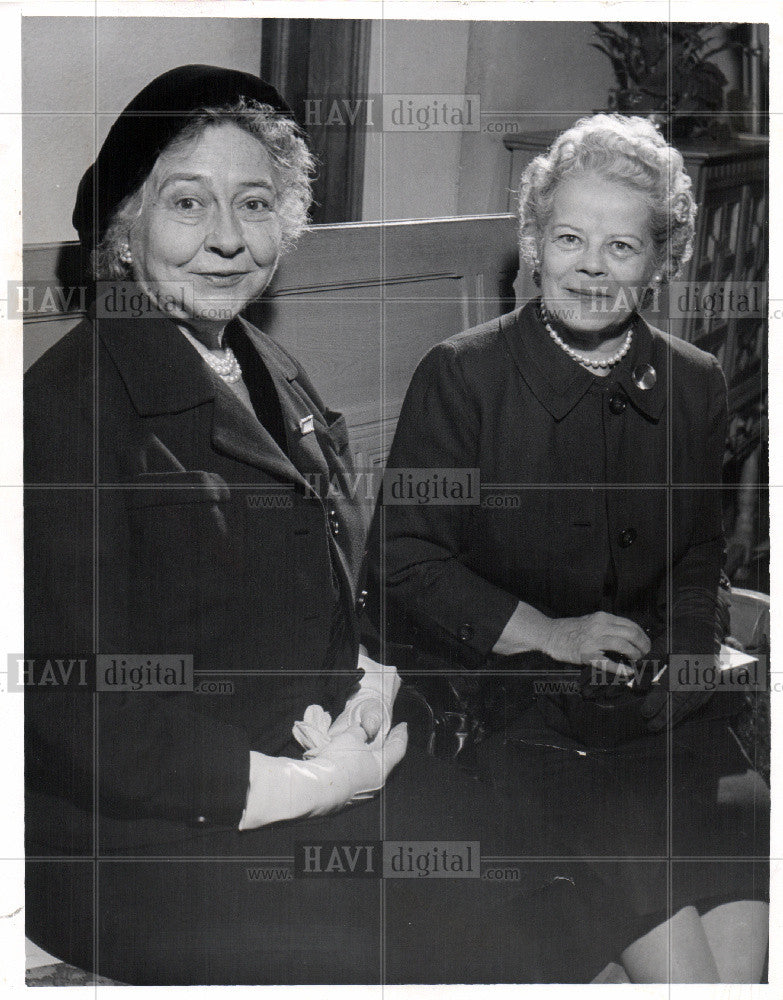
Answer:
(595, 494)
(146, 533)
(162, 518)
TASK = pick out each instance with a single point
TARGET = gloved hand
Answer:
(312, 733)
(345, 771)
(372, 705)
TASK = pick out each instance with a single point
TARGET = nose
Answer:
(591, 262)
(225, 237)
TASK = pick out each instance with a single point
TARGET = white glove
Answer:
(372, 705)
(346, 770)
(312, 732)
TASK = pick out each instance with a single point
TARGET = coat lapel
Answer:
(237, 433)
(299, 413)
(553, 378)
(558, 383)
(164, 374)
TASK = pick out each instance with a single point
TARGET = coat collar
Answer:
(559, 383)
(164, 374)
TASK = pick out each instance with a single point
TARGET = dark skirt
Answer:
(668, 820)
(195, 909)
(579, 852)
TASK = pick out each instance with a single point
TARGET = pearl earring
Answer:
(125, 254)
(536, 271)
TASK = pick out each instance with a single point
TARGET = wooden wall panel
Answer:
(358, 304)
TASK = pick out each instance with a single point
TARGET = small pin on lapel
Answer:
(306, 425)
(644, 376)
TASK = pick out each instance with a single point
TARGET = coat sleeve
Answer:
(416, 549)
(152, 754)
(695, 610)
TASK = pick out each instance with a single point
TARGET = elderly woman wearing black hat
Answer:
(173, 537)
(174, 439)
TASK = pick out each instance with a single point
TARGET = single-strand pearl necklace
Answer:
(226, 367)
(590, 362)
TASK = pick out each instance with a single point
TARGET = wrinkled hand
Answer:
(590, 638)
(739, 549)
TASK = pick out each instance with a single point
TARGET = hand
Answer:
(346, 771)
(590, 638)
(316, 730)
(370, 717)
(739, 549)
(356, 770)
(372, 705)
(370, 708)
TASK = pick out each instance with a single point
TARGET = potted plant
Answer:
(665, 71)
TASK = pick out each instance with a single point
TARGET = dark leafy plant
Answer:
(664, 67)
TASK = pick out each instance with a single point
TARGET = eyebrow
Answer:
(613, 236)
(202, 178)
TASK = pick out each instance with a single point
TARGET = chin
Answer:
(594, 324)
(582, 317)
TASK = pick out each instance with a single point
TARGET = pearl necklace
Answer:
(227, 367)
(590, 362)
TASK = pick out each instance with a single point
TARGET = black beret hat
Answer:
(152, 119)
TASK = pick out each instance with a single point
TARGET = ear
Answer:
(654, 284)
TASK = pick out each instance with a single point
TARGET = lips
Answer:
(222, 279)
(590, 293)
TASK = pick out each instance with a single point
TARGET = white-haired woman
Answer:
(593, 552)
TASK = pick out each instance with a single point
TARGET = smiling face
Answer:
(208, 226)
(597, 254)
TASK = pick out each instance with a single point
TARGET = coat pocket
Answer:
(163, 489)
(175, 516)
(182, 557)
